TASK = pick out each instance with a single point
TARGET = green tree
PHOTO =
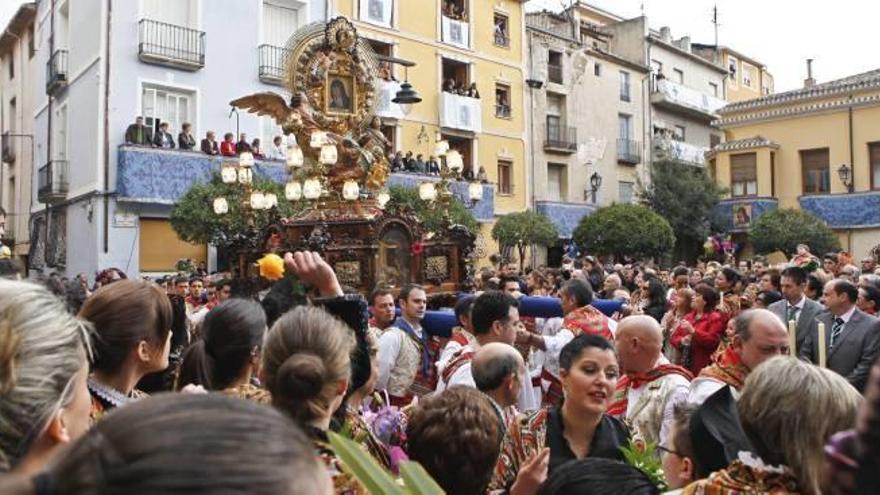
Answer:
(625, 230)
(194, 220)
(783, 229)
(685, 196)
(407, 199)
(524, 229)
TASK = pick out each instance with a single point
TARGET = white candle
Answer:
(822, 345)
(792, 339)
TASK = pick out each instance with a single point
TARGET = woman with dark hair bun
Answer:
(188, 444)
(228, 355)
(307, 369)
(577, 428)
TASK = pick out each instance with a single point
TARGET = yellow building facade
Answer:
(746, 79)
(475, 42)
(816, 148)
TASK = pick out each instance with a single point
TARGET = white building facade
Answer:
(99, 204)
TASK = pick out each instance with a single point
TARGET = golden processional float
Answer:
(338, 162)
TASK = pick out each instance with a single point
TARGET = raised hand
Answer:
(309, 267)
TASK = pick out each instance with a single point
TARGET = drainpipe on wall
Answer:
(49, 110)
(107, 131)
(852, 164)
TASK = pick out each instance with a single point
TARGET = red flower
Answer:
(417, 248)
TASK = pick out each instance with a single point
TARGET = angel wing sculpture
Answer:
(289, 118)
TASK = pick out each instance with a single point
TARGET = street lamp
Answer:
(406, 96)
(595, 184)
(845, 174)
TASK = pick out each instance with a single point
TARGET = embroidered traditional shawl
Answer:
(621, 403)
(728, 369)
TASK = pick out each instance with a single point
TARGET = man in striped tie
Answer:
(852, 338)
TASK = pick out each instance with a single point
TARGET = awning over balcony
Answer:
(565, 216)
(680, 98)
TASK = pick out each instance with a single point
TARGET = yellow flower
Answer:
(271, 267)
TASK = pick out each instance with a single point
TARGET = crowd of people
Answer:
(139, 134)
(416, 164)
(650, 380)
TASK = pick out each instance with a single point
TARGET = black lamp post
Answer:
(595, 184)
(406, 96)
(846, 178)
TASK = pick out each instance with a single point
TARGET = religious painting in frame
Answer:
(341, 96)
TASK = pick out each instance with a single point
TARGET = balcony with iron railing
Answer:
(7, 147)
(679, 98)
(167, 44)
(56, 71)
(52, 181)
(561, 139)
(272, 62)
(629, 151)
(554, 73)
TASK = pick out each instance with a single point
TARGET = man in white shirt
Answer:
(406, 353)
(276, 151)
(759, 335)
(494, 315)
(652, 386)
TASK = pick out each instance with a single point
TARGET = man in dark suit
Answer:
(851, 336)
(163, 138)
(795, 305)
(209, 144)
(138, 133)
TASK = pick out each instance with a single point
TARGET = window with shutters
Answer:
(175, 106)
(557, 183)
(625, 191)
(280, 20)
(816, 171)
(744, 174)
(874, 160)
(175, 12)
(505, 184)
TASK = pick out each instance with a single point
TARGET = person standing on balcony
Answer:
(420, 165)
(138, 134)
(163, 138)
(227, 147)
(276, 151)
(257, 149)
(243, 144)
(185, 139)
(209, 144)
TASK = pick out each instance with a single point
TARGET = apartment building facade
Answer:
(98, 204)
(17, 71)
(816, 148)
(468, 42)
(588, 129)
(747, 78)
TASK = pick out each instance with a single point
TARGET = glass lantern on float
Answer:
(295, 157)
(221, 206)
(318, 139)
(329, 155)
(383, 198)
(312, 189)
(293, 191)
(350, 190)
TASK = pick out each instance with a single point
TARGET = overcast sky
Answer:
(841, 36)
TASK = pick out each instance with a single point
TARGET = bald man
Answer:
(499, 371)
(758, 336)
(651, 386)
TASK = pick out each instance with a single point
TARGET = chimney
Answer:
(685, 43)
(809, 81)
(666, 34)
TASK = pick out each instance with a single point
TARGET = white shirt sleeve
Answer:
(389, 348)
(451, 348)
(678, 395)
(701, 388)
(553, 344)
